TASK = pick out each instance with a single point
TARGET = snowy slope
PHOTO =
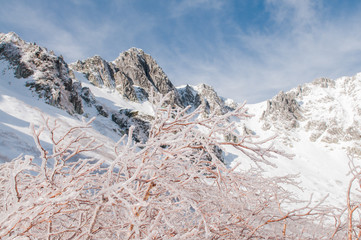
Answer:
(113, 99)
(19, 107)
(325, 131)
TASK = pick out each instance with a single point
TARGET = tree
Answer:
(353, 207)
(173, 186)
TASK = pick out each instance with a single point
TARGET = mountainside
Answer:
(318, 122)
(50, 73)
(326, 110)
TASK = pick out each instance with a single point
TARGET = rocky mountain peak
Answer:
(283, 108)
(146, 73)
(189, 96)
(133, 53)
(49, 73)
(210, 99)
(98, 71)
(11, 37)
(134, 74)
(206, 97)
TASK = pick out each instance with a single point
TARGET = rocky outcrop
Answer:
(189, 97)
(98, 71)
(206, 98)
(50, 73)
(133, 74)
(324, 83)
(326, 110)
(125, 118)
(211, 102)
(144, 72)
(283, 108)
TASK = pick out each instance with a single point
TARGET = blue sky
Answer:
(248, 50)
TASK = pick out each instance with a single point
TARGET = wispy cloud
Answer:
(294, 12)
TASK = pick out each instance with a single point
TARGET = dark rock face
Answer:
(125, 118)
(144, 71)
(133, 74)
(50, 73)
(206, 98)
(189, 96)
(284, 102)
(10, 50)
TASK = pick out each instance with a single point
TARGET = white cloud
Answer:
(296, 12)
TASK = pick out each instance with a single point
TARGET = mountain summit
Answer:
(133, 74)
(50, 73)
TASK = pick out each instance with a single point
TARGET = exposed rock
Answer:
(97, 70)
(354, 151)
(205, 97)
(189, 97)
(133, 74)
(50, 73)
(324, 82)
(328, 139)
(248, 131)
(352, 133)
(317, 128)
(328, 110)
(125, 118)
(283, 107)
(145, 72)
(87, 96)
(211, 102)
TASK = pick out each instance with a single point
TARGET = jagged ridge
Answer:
(50, 73)
(134, 74)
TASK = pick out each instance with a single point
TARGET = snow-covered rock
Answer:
(325, 110)
(134, 74)
(49, 72)
(205, 97)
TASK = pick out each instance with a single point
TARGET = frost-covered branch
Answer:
(174, 185)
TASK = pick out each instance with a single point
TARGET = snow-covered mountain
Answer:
(318, 122)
